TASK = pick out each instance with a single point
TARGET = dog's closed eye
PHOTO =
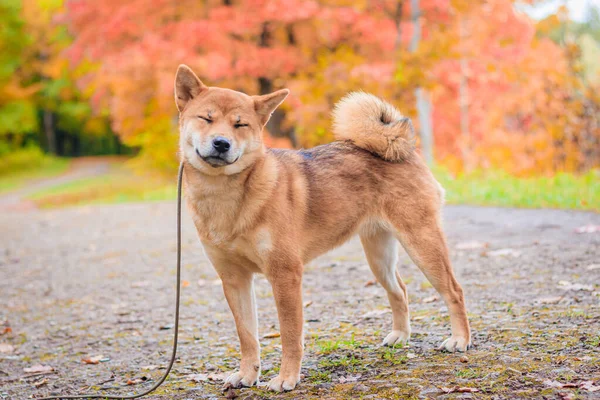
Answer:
(238, 125)
(208, 120)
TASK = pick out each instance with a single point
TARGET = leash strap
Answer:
(176, 333)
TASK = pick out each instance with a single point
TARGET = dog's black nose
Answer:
(221, 144)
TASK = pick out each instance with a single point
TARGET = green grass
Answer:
(486, 188)
(497, 188)
(23, 166)
(118, 186)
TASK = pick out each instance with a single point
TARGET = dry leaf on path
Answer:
(136, 381)
(371, 283)
(272, 335)
(218, 376)
(6, 348)
(550, 300)
(41, 383)
(430, 299)
(471, 245)
(307, 303)
(588, 229)
(504, 253)
(197, 378)
(457, 389)
(95, 360)
(38, 368)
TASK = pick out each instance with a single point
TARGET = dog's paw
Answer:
(396, 338)
(455, 343)
(239, 379)
(284, 383)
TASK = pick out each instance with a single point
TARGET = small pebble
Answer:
(464, 359)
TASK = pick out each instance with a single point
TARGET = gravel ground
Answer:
(97, 283)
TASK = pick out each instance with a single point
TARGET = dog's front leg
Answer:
(286, 281)
(238, 285)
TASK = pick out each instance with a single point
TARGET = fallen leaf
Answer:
(457, 389)
(197, 378)
(430, 299)
(185, 283)
(589, 386)
(136, 381)
(550, 300)
(464, 359)
(471, 245)
(167, 327)
(348, 379)
(7, 329)
(504, 252)
(95, 359)
(575, 286)
(41, 383)
(6, 348)
(218, 376)
(588, 229)
(371, 283)
(38, 368)
(272, 335)
(418, 318)
(308, 303)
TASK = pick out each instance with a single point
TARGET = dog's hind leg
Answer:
(424, 242)
(381, 249)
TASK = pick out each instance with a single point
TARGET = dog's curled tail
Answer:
(374, 125)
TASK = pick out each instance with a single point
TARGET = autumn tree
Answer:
(475, 59)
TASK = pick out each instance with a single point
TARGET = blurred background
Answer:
(505, 94)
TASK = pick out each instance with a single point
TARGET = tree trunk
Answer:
(48, 120)
(265, 85)
(423, 102)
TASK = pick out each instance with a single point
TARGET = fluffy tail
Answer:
(374, 125)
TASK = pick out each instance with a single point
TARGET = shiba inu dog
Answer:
(270, 211)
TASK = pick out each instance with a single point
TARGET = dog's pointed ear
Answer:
(265, 105)
(187, 86)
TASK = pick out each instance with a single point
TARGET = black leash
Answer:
(160, 382)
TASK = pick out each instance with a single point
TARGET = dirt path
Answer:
(84, 167)
(91, 281)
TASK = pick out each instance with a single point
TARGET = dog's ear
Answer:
(187, 86)
(265, 105)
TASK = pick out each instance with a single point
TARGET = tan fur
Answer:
(374, 125)
(271, 211)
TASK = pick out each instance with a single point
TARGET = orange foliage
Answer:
(526, 109)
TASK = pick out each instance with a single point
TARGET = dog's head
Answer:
(221, 129)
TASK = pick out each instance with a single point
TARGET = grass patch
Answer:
(489, 188)
(497, 188)
(22, 166)
(118, 186)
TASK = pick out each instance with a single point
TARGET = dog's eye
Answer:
(239, 125)
(208, 120)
